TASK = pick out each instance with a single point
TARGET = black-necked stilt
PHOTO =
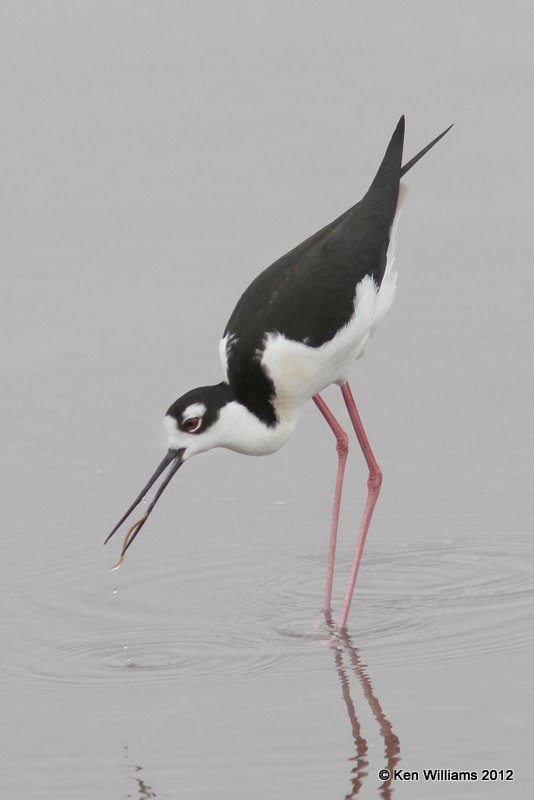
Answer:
(296, 329)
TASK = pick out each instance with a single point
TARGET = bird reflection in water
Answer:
(343, 649)
(347, 659)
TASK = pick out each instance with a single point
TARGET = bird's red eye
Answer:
(192, 424)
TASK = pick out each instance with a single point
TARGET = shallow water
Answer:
(155, 160)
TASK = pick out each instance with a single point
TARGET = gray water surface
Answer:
(155, 157)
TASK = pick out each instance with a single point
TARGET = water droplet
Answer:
(115, 591)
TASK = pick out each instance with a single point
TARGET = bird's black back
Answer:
(308, 294)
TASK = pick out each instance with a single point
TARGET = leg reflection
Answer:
(344, 649)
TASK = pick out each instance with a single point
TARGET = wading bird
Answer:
(298, 328)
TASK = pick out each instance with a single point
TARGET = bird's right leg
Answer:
(342, 447)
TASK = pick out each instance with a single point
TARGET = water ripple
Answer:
(166, 655)
(431, 601)
(416, 603)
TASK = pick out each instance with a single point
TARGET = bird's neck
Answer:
(245, 433)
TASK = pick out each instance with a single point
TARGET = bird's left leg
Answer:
(374, 483)
(342, 447)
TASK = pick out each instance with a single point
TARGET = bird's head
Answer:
(204, 418)
(193, 425)
(196, 422)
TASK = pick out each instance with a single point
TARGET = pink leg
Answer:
(342, 447)
(373, 490)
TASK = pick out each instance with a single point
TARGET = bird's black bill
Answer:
(173, 457)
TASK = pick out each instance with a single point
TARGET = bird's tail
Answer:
(390, 167)
(390, 170)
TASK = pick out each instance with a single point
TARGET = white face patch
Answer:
(194, 410)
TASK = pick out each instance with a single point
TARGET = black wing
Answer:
(308, 294)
